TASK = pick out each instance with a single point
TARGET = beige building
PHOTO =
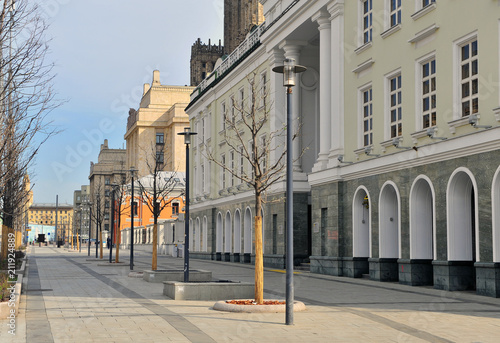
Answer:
(152, 129)
(45, 214)
(109, 169)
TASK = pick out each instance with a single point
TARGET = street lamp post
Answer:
(132, 171)
(81, 220)
(89, 204)
(98, 210)
(113, 185)
(289, 69)
(187, 140)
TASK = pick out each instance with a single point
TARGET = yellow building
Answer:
(45, 214)
(152, 130)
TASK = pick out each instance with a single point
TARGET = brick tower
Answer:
(240, 16)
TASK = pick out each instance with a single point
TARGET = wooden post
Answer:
(259, 262)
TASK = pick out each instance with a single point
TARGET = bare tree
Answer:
(247, 134)
(120, 208)
(156, 190)
(98, 211)
(26, 97)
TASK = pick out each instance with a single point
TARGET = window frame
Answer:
(419, 96)
(362, 29)
(388, 107)
(361, 116)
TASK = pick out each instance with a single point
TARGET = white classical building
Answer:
(399, 114)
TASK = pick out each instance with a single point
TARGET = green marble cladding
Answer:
(337, 197)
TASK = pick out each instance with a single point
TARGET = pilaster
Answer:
(336, 11)
(277, 92)
(323, 20)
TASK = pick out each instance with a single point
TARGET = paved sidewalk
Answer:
(70, 299)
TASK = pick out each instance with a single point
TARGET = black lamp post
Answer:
(289, 69)
(187, 140)
(98, 211)
(113, 185)
(132, 170)
(89, 204)
(81, 220)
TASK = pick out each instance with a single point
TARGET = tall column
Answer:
(336, 10)
(292, 50)
(323, 20)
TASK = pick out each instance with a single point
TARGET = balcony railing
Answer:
(252, 40)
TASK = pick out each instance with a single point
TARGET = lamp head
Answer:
(187, 135)
(289, 69)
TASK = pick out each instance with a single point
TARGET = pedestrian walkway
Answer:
(70, 299)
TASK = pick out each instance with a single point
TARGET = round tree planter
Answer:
(223, 306)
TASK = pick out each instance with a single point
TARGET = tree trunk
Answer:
(118, 241)
(5, 240)
(259, 263)
(155, 244)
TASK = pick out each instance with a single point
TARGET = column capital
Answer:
(276, 57)
(322, 17)
(292, 47)
(336, 8)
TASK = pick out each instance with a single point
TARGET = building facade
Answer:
(109, 170)
(400, 179)
(152, 130)
(170, 194)
(81, 210)
(60, 216)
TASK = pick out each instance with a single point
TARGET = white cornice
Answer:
(424, 33)
(363, 66)
(453, 148)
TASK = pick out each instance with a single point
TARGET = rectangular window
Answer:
(160, 138)
(159, 157)
(263, 89)
(428, 93)
(242, 163)
(135, 205)
(242, 101)
(202, 178)
(231, 157)
(427, 2)
(264, 154)
(367, 21)
(175, 208)
(469, 78)
(223, 171)
(395, 12)
(367, 108)
(202, 130)
(252, 158)
(396, 109)
(232, 117)
(223, 116)
(106, 181)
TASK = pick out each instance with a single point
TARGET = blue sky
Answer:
(104, 52)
